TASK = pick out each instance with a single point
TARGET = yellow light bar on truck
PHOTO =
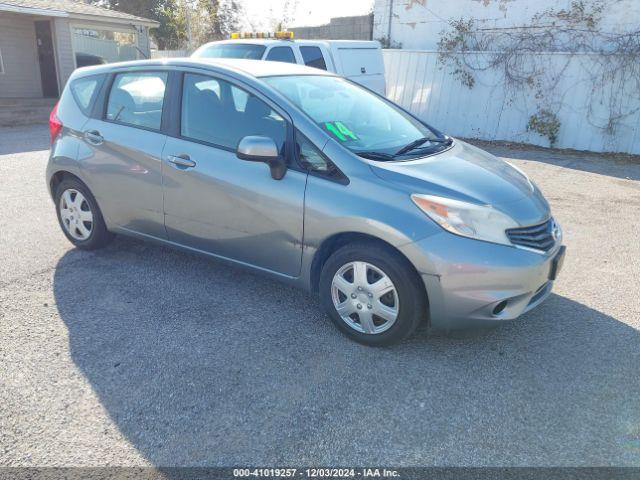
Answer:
(284, 35)
(278, 35)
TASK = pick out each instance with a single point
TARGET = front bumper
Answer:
(470, 282)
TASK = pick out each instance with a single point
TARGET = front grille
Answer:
(540, 237)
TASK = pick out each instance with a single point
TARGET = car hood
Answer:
(469, 174)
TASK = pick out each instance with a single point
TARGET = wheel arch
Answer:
(339, 240)
(60, 175)
(57, 178)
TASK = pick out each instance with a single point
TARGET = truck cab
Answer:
(360, 61)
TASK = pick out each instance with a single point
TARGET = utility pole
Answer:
(187, 16)
(390, 20)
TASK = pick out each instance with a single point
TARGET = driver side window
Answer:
(216, 112)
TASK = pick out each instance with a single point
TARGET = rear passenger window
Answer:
(136, 99)
(281, 54)
(312, 57)
(219, 113)
(84, 90)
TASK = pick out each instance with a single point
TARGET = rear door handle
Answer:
(93, 137)
(181, 160)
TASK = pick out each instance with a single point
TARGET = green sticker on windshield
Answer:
(340, 131)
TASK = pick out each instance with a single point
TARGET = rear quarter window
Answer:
(312, 57)
(85, 90)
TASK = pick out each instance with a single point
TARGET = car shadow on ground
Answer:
(620, 166)
(202, 364)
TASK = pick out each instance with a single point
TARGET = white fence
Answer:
(107, 49)
(420, 84)
(169, 53)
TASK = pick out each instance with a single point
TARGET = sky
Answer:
(307, 12)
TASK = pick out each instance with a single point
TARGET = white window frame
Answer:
(107, 27)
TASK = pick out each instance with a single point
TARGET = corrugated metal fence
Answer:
(420, 84)
(169, 53)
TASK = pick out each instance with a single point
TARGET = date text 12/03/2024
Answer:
(317, 472)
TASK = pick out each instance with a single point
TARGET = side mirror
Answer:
(262, 149)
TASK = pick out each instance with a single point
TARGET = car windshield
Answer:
(230, 50)
(360, 120)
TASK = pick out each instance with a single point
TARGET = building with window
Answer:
(43, 41)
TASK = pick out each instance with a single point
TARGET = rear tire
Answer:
(79, 215)
(372, 293)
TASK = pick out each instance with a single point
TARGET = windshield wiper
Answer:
(413, 145)
(416, 143)
(376, 155)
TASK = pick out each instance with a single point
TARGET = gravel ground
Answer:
(139, 355)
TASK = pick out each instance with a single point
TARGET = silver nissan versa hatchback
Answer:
(308, 177)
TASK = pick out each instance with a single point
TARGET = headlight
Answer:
(481, 222)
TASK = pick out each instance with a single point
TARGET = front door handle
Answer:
(93, 137)
(181, 160)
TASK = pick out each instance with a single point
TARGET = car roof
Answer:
(251, 68)
(262, 68)
(250, 41)
(285, 41)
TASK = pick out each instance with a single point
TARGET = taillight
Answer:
(55, 125)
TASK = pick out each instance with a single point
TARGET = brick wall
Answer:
(342, 28)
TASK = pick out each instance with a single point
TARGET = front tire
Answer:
(372, 293)
(79, 215)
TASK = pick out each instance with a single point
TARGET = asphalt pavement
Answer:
(139, 355)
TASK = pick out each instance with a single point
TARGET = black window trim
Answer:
(110, 81)
(174, 128)
(339, 177)
(98, 102)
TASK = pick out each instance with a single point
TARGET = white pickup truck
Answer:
(360, 61)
